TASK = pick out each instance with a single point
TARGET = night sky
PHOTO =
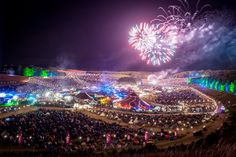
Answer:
(88, 35)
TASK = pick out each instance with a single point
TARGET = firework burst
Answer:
(142, 36)
(157, 42)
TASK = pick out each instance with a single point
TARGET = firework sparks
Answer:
(142, 36)
(158, 41)
(156, 44)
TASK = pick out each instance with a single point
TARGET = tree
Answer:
(28, 72)
(44, 73)
(231, 87)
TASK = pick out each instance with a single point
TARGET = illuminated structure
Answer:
(133, 102)
(229, 86)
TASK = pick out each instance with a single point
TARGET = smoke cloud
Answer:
(211, 44)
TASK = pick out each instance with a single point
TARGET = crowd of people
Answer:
(183, 100)
(174, 97)
(31, 88)
(68, 130)
(174, 122)
(58, 83)
(9, 109)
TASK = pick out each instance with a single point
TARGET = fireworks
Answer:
(142, 37)
(155, 43)
(158, 41)
(183, 16)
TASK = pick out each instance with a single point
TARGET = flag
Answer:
(146, 136)
(20, 137)
(128, 138)
(108, 139)
(68, 141)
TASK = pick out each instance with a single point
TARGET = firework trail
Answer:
(183, 16)
(182, 30)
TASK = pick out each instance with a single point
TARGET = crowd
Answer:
(213, 145)
(176, 122)
(181, 101)
(58, 83)
(31, 88)
(8, 88)
(178, 96)
(9, 109)
(67, 130)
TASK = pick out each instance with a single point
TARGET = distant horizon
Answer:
(93, 35)
(81, 69)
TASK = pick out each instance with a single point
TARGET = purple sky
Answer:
(90, 35)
